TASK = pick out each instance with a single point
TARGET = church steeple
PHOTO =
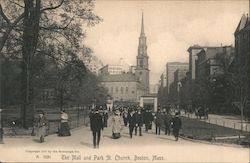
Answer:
(142, 68)
(142, 48)
(142, 26)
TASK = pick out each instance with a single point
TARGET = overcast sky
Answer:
(170, 27)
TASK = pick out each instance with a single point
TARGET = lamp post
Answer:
(179, 85)
(1, 127)
(241, 110)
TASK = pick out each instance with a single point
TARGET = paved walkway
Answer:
(146, 148)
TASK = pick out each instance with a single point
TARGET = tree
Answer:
(47, 28)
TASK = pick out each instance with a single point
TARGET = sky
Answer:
(170, 26)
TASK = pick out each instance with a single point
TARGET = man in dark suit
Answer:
(132, 122)
(96, 124)
(177, 124)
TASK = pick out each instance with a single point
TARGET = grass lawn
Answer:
(200, 130)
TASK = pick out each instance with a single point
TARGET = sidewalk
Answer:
(57, 149)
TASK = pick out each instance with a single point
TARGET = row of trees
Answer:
(40, 44)
(225, 91)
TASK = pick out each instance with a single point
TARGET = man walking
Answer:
(96, 124)
(167, 120)
(132, 122)
(148, 119)
(139, 122)
(158, 122)
(176, 126)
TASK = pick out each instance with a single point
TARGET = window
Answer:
(116, 89)
(126, 89)
(141, 63)
(121, 90)
(133, 92)
(111, 89)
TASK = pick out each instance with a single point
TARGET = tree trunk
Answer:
(30, 37)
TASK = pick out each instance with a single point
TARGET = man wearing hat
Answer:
(176, 126)
(96, 124)
(131, 121)
(139, 121)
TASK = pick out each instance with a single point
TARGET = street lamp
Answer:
(179, 85)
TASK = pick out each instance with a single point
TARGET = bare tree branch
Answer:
(53, 7)
(16, 3)
(57, 27)
(3, 15)
(6, 34)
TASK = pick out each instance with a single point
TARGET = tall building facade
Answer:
(142, 67)
(241, 64)
(171, 67)
(193, 51)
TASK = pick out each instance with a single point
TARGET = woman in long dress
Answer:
(64, 127)
(42, 126)
(116, 124)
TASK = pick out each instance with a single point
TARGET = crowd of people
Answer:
(135, 118)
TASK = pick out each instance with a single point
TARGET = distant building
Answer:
(241, 63)
(193, 51)
(171, 67)
(133, 83)
(132, 69)
(163, 79)
(111, 70)
(92, 63)
(207, 65)
(153, 88)
(123, 87)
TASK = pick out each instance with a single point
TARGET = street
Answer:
(146, 148)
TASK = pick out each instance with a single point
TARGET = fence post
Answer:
(78, 111)
(1, 127)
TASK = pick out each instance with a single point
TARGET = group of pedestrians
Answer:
(134, 119)
(163, 119)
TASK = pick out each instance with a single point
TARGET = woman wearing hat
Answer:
(64, 128)
(41, 126)
(116, 124)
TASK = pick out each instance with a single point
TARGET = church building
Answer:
(129, 87)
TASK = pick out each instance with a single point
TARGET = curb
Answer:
(213, 143)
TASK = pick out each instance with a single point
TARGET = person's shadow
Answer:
(36, 140)
(87, 144)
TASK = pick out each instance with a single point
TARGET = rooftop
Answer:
(127, 77)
